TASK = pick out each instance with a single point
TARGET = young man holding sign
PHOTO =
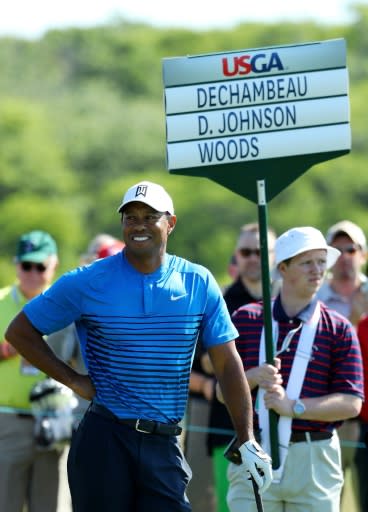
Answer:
(314, 384)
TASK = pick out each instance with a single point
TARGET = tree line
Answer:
(82, 118)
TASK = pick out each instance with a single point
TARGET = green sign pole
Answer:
(267, 310)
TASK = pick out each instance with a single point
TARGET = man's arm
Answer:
(30, 344)
(234, 387)
(332, 407)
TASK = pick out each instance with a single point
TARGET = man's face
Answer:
(248, 256)
(35, 277)
(146, 230)
(303, 274)
(351, 260)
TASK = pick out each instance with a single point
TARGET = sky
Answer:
(31, 19)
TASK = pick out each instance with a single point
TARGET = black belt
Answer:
(25, 415)
(300, 437)
(140, 425)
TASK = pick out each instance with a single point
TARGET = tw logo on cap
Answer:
(141, 191)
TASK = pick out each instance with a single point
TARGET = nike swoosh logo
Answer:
(177, 297)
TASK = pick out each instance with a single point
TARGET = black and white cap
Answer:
(151, 194)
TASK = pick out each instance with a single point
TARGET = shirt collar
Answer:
(304, 315)
(17, 296)
(159, 273)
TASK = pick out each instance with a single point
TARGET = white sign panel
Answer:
(273, 145)
(255, 91)
(256, 104)
(278, 116)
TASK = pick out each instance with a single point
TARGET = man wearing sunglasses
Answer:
(27, 475)
(346, 290)
(246, 288)
(315, 383)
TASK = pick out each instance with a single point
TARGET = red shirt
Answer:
(362, 330)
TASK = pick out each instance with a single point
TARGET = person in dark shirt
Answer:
(246, 288)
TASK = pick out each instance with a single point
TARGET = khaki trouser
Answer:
(27, 475)
(200, 491)
(311, 482)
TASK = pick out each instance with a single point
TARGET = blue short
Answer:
(112, 467)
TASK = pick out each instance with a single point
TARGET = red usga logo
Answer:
(245, 64)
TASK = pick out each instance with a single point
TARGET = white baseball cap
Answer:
(350, 229)
(151, 194)
(298, 240)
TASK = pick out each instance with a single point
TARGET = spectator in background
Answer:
(100, 246)
(246, 288)
(344, 287)
(248, 276)
(29, 475)
(110, 249)
(345, 290)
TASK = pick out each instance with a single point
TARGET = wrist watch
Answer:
(298, 408)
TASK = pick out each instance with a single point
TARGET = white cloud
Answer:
(21, 17)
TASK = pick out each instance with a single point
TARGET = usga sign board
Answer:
(258, 113)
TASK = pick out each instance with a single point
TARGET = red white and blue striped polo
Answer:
(335, 365)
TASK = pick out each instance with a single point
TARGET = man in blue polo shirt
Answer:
(138, 315)
(315, 382)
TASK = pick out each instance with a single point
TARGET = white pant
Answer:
(312, 481)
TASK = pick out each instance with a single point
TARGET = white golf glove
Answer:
(257, 462)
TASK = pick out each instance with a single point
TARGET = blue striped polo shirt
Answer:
(137, 331)
(335, 365)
